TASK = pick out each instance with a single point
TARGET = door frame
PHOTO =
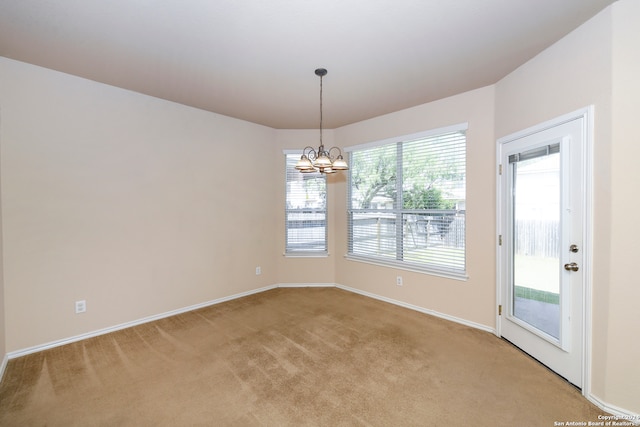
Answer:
(586, 114)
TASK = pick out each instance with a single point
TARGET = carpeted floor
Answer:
(289, 357)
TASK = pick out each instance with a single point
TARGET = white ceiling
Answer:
(255, 59)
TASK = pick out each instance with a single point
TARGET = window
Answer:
(406, 202)
(306, 211)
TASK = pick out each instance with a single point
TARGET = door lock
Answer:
(573, 248)
(572, 266)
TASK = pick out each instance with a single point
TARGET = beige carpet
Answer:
(289, 357)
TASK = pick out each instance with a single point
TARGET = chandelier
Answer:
(321, 160)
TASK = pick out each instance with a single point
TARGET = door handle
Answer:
(572, 266)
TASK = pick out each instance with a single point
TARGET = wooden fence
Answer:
(537, 238)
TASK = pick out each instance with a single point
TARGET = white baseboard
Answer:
(306, 285)
(52, 344)
(620, 413)
(420, 309)
(5, 360)
(392, 301)
(617, 413)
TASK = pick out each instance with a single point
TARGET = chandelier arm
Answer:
(331, 149)
(312, 154)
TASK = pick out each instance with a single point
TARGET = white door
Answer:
(542, 187)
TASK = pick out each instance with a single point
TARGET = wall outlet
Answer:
(81, 306)
(258, 271)
(399, 280)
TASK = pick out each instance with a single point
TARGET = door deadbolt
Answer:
(572, 266)
(573, 248)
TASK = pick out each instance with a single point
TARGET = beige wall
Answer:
(3, 340)
(622, 379)
(131, 203)
(473, 300)
(578, 71)
(122, 200)
(572, 74)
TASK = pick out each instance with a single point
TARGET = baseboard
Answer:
(420, 309)
(306, 285)
(620, 414)
(392, 301)
(617, 414)
(5, 360)
(52, 344)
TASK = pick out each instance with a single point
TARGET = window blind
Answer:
(536, 152)
(406, 202)
(305, 211)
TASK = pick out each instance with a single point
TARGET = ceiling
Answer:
(255, 59)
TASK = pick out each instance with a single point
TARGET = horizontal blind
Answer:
(407, 202)
(535, 153)
(306, 210)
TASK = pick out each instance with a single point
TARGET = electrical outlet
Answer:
(399, 280)
(258, 271)
(81, 306)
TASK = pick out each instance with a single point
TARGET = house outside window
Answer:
(305, 211)
(406, 202)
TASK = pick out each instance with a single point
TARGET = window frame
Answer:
(399, 211)
(298, 253)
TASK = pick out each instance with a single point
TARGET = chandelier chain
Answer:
(321, 110)
(322, 160)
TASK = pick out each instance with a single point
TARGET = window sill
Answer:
(409, 267)
(305, 254)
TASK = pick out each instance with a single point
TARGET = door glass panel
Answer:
(536, 240)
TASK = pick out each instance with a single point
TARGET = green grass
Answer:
(436, 256)
(537, 295)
